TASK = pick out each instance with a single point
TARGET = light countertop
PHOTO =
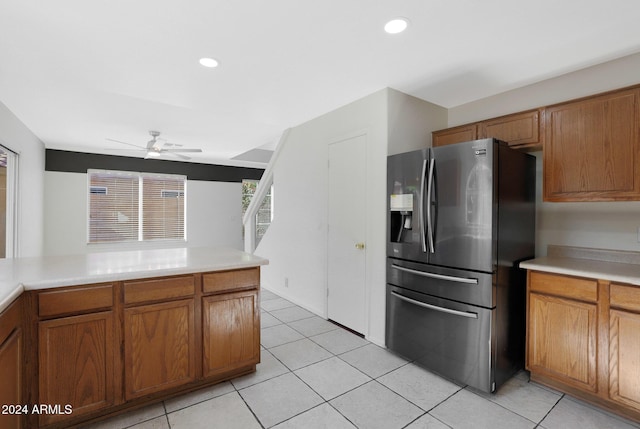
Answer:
(20, 274)
(617, 266)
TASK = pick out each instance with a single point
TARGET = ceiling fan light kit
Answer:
(156, 148)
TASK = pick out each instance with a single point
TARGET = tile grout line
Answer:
(166, 414)
(562, 395)
(376, 379)
(414, 420)
(250, 409)
(400, 395)
(501, 406)
(292, 371)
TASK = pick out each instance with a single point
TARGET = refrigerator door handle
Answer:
(421, 203)
(436, 276)
(432, 164)
(435, 307)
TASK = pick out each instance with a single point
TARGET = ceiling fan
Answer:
(157, 146)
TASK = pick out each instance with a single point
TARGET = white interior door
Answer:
(346, 237)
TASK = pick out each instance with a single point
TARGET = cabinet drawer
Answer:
(75, 300)
(568, 287)
(229, 280)
(158, 289)
(625, 297)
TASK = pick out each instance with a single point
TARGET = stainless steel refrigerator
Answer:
(460, 218)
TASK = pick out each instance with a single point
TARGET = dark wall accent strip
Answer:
(80, 162)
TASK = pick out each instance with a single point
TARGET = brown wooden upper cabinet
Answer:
(459, 134)
(522, 130)
(592, 148)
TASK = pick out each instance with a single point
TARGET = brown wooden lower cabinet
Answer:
(103, 349)
(76, 364)
(624, 358)
(11, 366)
(562, 339)
(231, 331)
(583, 337)
(159, 347)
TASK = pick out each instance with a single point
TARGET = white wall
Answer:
(296, 242)
(16, 136)
(411, 122)
(600, 225)
(213, 216)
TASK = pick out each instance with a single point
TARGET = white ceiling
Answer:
(77, 72)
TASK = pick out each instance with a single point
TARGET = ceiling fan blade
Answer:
(124, 150)
(129, 144)
(181, 150)
(180, 155)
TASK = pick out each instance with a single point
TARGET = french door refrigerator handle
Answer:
(435, 307)
(432, 163)
(421, 203)
(436, 276)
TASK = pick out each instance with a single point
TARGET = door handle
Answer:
(436, 276)
(430, 231)
(359, 246)
(421, 206)
(436, 307)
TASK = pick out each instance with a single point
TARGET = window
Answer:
(264, 216)
(127, 206)
(8, 188)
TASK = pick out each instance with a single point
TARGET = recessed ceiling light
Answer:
(397, 25)
(209, 62)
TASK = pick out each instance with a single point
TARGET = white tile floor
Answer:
(314, 374)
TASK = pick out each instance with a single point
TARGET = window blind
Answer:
(125, 206)
(162, 207)
(113, 207)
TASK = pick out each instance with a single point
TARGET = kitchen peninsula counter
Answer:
(34, 273)
(104, 333)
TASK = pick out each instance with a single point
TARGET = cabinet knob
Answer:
(359, 246)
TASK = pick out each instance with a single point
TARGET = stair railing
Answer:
(249, 219)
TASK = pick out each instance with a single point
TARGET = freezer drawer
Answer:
(457, 285)
(446, 337)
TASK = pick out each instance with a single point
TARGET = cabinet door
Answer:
(592, 148)
(624, 358)
(562, 340)
(520, 129)
(463, 133)
(76, 364)
(11, 376)
(11, 363)
(231, 331)
(158, 347)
